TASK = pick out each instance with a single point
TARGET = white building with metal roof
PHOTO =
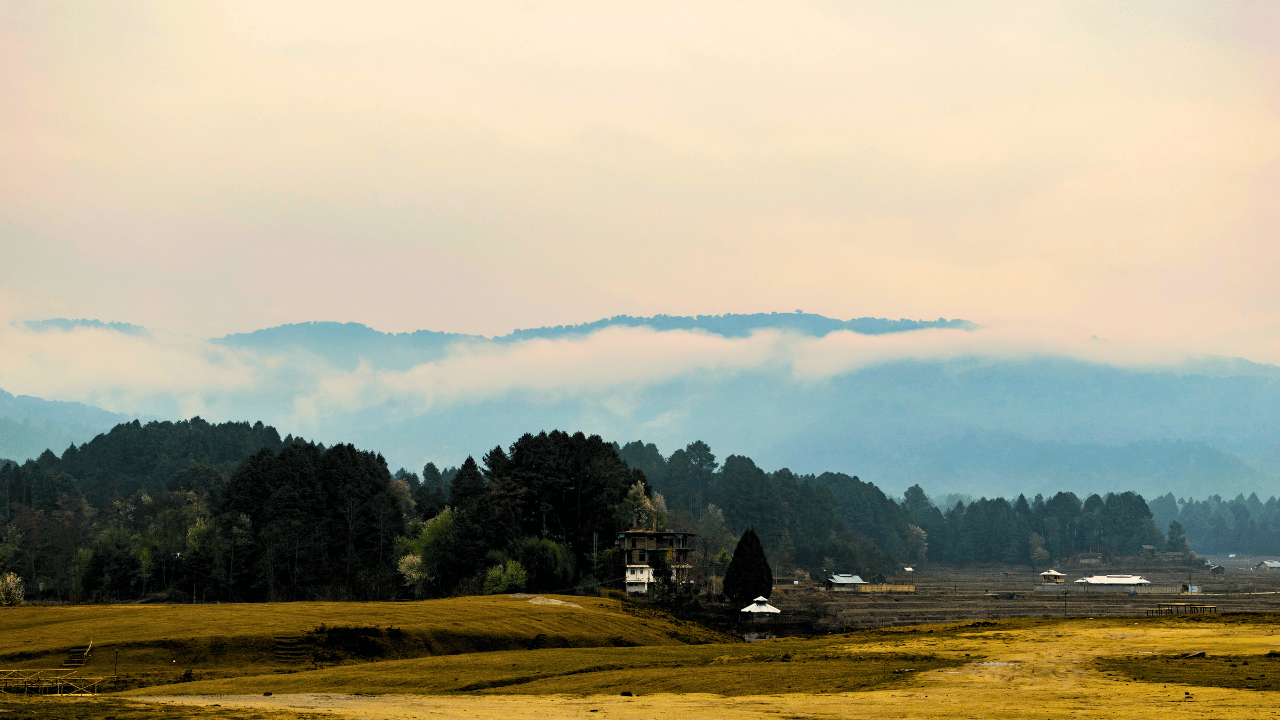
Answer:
(1132, 580)
(844, 582)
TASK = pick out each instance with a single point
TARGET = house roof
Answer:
(1114, 580)
(1148, 547)
(1055, 573)
(838, 579)
(761, 605)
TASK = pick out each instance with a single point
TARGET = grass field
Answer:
(1021, 668)
(1028, 668)
(732, 670)
(157, 643)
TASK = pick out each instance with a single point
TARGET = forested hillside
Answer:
(346, 344)
(809, 523)
(235, 512)
(1243, 525)
(232, 512)
(1006, 423)
(833, 521)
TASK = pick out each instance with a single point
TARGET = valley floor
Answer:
(1016, 669)
(633, 663)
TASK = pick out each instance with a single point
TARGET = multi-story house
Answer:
(638, 547)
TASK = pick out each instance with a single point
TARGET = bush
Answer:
(11, 591)
(550, 565)
(510, 577)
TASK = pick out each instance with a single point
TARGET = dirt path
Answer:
(1033, 673)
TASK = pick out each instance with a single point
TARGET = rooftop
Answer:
(847, 579)
(1114, 580)
(761, 605)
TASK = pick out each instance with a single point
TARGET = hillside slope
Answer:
(225, 640)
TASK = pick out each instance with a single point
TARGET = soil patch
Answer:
(1243, 672)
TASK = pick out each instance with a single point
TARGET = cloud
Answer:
(609, 371)
(121, 372)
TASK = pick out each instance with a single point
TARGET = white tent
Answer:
(761, 605)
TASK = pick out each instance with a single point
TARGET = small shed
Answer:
(1149, 550)
(761, 607)
(846, 583)
(1052, 576)
(1217, 569)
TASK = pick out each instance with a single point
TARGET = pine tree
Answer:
(468, 486)
(749, 574)
(1177, 541)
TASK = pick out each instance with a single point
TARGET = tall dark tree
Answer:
(429, 496)
(749, 575)
(1177, 541)
(468, 486)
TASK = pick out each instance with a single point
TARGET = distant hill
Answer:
(344, 345)
(732, 325)
(975, 425)
(65, 324)
(29, 425)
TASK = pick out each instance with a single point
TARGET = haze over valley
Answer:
(945, 403)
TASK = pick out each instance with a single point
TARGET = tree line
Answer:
(1039, 531)
(1213, 525)
(194, 510)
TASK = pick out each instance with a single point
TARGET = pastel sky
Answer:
(1093, 168)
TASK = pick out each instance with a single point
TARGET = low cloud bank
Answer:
(175, 375)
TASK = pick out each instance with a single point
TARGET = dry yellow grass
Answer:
(739, 669)
(238, 638)
(1017, 669)
(1012, 669)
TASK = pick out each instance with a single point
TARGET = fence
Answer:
(1086, 589)
(885, 588)
(48, 682)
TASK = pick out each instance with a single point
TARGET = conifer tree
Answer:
(749, 574)
(1177, 541)
(468, 486)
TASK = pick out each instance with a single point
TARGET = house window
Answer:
(642, 556)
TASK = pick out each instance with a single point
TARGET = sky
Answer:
(1051, 171)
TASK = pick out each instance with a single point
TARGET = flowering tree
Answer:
(11, 590)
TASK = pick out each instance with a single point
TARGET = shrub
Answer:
(505, 578)
(549, 564)
(11, 590)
